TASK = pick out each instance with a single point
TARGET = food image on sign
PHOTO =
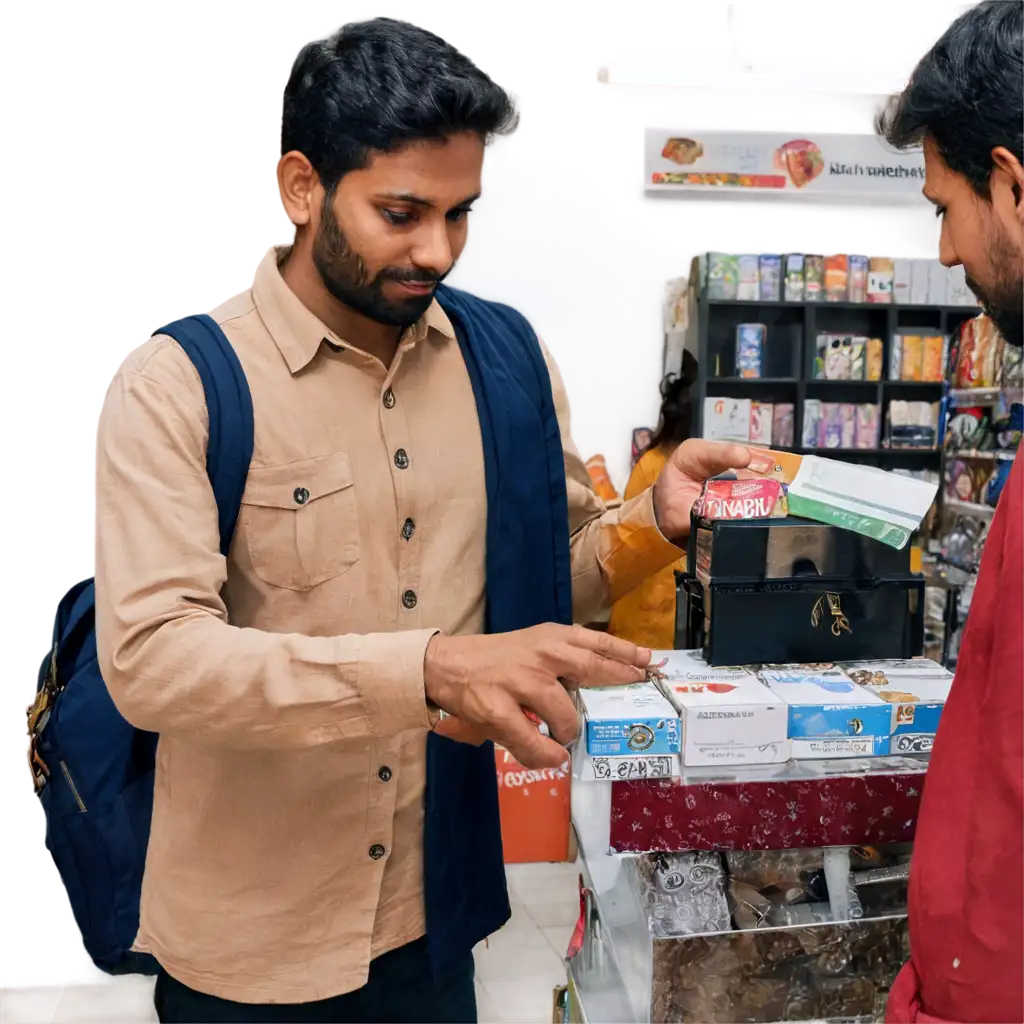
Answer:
(682, 151)
(742, 499)
(801, 159)
(719, 178)
(703, 687)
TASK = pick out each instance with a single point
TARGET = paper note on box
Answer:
(728, 715)
(626, 720)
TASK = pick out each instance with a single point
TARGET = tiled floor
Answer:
(517, 970)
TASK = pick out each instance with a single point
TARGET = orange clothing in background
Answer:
(647, 614)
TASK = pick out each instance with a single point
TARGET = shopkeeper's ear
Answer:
(1009, 165)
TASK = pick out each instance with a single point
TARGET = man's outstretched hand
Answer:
(680, 482)
(484, 682)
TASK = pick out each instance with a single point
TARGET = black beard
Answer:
(344, 275)
(1010, 324)
(1005, 309)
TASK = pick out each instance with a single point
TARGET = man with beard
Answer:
(965, 103)
(416, 536)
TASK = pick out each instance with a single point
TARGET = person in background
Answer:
(647, 614)
(965, 104)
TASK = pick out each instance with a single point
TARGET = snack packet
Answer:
(742, 499)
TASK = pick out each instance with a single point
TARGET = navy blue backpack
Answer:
(93, 771)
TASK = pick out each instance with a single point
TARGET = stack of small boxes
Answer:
(809, 627)
(694, 715)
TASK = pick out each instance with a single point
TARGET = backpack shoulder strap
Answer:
(229, 405)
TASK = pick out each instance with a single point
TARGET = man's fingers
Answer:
(588, 668)
(533, 752)
(519, 736)
(611, 647)
(556, 708)
(701, 460)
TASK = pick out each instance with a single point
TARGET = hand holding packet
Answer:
(870, 501)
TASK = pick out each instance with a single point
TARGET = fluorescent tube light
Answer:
(866, 85)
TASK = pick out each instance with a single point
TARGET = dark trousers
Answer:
(400, 988)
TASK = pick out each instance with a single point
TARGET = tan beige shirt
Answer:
(286, 682)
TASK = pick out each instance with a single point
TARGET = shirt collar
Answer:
(298, 333)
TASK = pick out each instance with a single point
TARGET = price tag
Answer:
(623, 769)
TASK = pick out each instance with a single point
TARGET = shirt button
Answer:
(389, 399)
(384, 773)
(401, 459)
(408, 529)
(301, 495)
(409, 599)
(376, 851)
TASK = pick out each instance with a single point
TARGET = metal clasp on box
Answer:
(840, 623)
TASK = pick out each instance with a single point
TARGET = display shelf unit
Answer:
(789, 354)
(983, 397)
(632, 962)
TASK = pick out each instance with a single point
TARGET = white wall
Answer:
(138, 184)
(560, 239)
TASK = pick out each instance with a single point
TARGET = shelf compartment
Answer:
(784, 332)
(760, 975)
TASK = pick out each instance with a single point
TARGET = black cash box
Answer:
(791, 590)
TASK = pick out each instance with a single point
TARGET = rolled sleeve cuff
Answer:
(391, 681)
(632, 547)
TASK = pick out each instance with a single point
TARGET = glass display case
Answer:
(693, 914)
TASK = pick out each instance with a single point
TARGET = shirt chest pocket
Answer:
(301, 521)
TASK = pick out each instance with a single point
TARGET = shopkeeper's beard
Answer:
(1004, 299)
(345, 276)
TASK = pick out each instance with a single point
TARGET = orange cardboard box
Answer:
(534, 811)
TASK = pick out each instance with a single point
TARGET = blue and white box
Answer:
(916, 689)
(623, 721)
(829, 714)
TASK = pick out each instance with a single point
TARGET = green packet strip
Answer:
(867, 526)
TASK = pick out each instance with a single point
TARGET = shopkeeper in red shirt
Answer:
(965, 102)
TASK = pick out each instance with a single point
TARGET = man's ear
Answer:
(298, 184)
(1004, 161)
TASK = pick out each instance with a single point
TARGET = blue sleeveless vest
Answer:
(528, 582)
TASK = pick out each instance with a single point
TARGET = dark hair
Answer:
(966, 93)
(376, 86)
(676, 420)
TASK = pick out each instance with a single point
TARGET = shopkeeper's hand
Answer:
(680, 482)
(486, 681)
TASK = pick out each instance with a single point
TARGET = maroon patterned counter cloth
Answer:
(767, 814)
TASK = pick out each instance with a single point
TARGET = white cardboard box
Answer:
(938, 284)
(727, 419)
(902, 270)
(728, 715)
(920, 274)
(621, 721)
